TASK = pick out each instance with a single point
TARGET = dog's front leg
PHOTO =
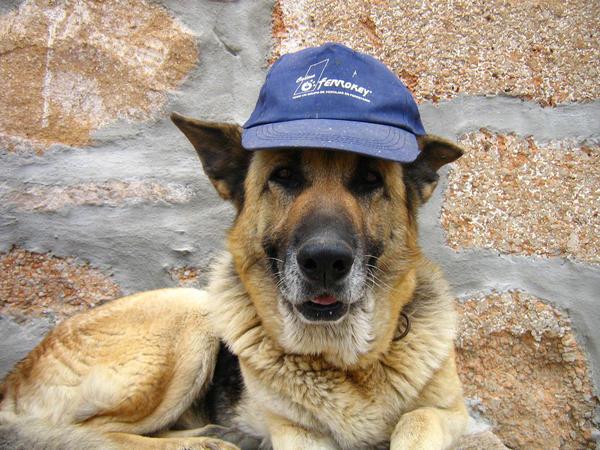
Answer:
(440, 416)
(429, 428)
(286, 435)
(229, 434)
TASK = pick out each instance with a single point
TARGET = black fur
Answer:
(417, 175)
(220, 150)
(226, 389)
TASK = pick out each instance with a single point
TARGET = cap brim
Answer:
(378, 141)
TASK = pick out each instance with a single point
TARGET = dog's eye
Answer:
(366, 181)
(286, 177)
(283, 174)
(372, 178)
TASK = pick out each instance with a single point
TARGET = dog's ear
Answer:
(219, 146)
(422, 174)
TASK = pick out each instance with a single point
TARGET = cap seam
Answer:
(339, 120)
(334, 138)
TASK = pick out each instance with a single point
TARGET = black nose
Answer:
(325, 261)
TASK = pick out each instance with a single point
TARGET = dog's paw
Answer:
(201, 443)
(231, 435)
(217, 444)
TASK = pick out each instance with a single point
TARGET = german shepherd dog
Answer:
(323, 327)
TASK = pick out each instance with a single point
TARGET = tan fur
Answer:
(407, 391)
(130, 367)
(135, 366)
(357, 406)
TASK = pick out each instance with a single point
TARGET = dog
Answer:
(323, 325)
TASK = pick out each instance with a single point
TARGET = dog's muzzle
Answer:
(324, 263)
(320, 265)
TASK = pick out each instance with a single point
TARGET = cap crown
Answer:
(334, 82)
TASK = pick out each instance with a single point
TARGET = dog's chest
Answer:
(358, 409)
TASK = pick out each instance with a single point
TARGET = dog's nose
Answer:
(325, 261)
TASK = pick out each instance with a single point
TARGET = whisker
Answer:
(386, 272)
(378, 261)
(382, 284)
(275, 259)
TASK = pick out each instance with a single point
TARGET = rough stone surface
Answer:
(545, 51)
(485, 440)
(17, 338)
(523, 371)
(40, 285)
(517, 196)
(128, 220)
(136, 241)
(69, 67)
(114, 193)
(189, 276)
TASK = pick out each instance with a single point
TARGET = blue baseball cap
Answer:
(334, 97)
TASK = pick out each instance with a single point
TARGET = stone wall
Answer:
(100, 195)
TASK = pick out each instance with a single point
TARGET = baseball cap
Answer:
(334, 97)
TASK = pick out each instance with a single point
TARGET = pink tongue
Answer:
(325, 300)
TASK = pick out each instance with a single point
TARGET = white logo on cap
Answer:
(313, 83)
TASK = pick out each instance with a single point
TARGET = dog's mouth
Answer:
(322, 308)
